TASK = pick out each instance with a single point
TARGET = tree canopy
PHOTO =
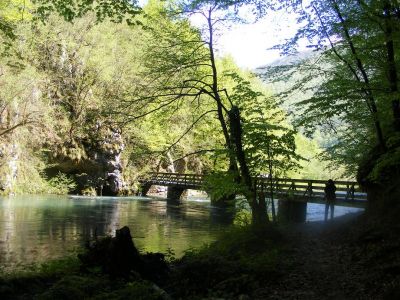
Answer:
(105, 99)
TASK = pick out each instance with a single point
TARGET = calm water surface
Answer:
(35, 229)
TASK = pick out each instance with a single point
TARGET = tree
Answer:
(17, 15)
(356, 97)
(83, 65)
(116, 10)
(182, 66)
(269, 142)
(353, 87)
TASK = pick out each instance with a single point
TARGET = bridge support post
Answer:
(292, 211)
(174, 193)
(145, 187)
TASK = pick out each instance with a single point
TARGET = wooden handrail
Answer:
(309, 188)
(261, 178)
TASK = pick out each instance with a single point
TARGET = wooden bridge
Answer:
(348, 193)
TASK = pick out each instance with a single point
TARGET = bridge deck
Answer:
(300, 189)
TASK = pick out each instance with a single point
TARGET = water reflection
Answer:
(222, 215)
(39, 228)
(315, 212)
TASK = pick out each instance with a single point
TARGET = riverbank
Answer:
(351, 257)
(348, 258)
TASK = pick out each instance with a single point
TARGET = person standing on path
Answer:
(330, 198)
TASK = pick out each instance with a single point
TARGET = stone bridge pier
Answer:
(292, 211)
(174, 193)
(145, 187)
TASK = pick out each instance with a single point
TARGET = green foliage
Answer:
(89, 191)
(220, 185)
(80, 287)
(347, 88)
(53, 268)
(240, 241)
(36, 278)
(116, 10)
(62, 279)
(73, 287)
(12, 12)
(62, 183)
(386, 165)
(167, 99)
(315, 165)
(59, 267)
(237, 263)
(242, 218)
(84, 80)
(268, 140)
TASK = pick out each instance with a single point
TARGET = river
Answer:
(35, 229)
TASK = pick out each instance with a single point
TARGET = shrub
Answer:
(62, 184)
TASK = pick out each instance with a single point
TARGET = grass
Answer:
(239, 262)
(63, 279)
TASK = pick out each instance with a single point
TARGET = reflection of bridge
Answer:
(348, 193)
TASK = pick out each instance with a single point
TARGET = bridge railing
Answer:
(309, 188)
(345, 190)
(194, 180)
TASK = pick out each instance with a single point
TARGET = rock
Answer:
(107, 155)
(9, 162)
(119, 257)
(113, 184)
(99, 165)
(124, 257)
(116, 256)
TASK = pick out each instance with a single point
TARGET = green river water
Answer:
(35, 229)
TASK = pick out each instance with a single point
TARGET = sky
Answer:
(248, 44)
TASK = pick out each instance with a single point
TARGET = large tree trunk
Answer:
(259, 209)
(391, 65)
(217, 98)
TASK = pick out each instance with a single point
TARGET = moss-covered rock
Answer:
(93, 159)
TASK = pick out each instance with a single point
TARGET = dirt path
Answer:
(318, 264)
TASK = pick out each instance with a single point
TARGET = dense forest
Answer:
(91, 103)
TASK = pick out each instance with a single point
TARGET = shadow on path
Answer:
(323, 262)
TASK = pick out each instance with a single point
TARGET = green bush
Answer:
(62, 184)
(220, 185)
(36, 278)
